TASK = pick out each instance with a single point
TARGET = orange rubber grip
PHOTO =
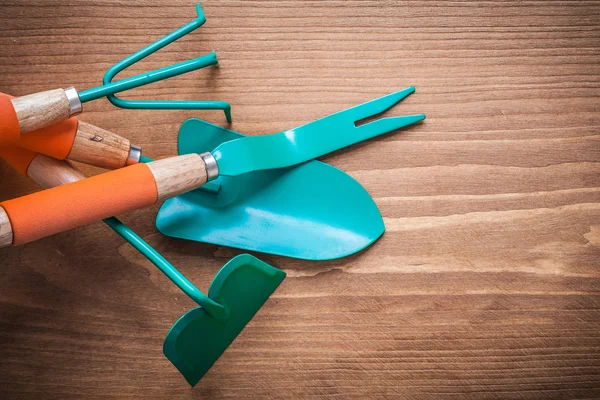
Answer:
(61, 208)
(17, 157)
(55, 140)
(10, 131)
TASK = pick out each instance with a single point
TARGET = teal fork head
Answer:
(345, 123)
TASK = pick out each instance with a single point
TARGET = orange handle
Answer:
(77, 141)
(10, 132)
(69, 206)
(17, 157)
(42, 169)
(55, 140)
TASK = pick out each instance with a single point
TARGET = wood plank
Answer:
(485, 284)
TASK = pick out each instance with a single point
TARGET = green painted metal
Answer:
(163, 73)
(145, 159)
(310, 211)
(240, 288)
(294, 211)
(147, 78)
(315, 139)
(201, 335)
(197, 340)
(216, 310)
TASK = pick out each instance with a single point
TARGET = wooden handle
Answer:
(79, 141)
(42, 109)
(55, 140)
(96, 146)
(42, 169)
(176, 175)
(75, 141)
(49, 172)
(6, 235)
(89, 200)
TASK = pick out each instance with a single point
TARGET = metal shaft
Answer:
(147, 77)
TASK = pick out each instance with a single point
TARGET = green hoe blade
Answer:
(197, 340)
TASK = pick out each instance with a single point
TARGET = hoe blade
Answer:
(197, 340)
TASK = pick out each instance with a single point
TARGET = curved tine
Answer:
(155, 46)
(174, 105)
(187, 66)
(200, 62)
(215, 309)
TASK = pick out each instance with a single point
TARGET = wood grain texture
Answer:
(48, 172)
(39, 110)
(96, 146)
(6, 235)
(486, 283)
(178, 174)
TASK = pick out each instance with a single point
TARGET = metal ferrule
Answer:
(212, 169)
(74, 101)
(135, 153)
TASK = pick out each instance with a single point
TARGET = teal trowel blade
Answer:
(197, 340)
(310, 211)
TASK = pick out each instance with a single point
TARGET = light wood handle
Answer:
(42, 169)
(79, 141)
(49, 172)
(89, 200)
(42, 109)
(6, 235)
(177, 175)
(99, 147)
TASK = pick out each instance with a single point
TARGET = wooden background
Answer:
(486, 283)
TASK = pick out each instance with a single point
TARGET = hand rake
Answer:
(29, 113)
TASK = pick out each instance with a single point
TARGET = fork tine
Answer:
(344, 122)
(389, 124)
(379, 105)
